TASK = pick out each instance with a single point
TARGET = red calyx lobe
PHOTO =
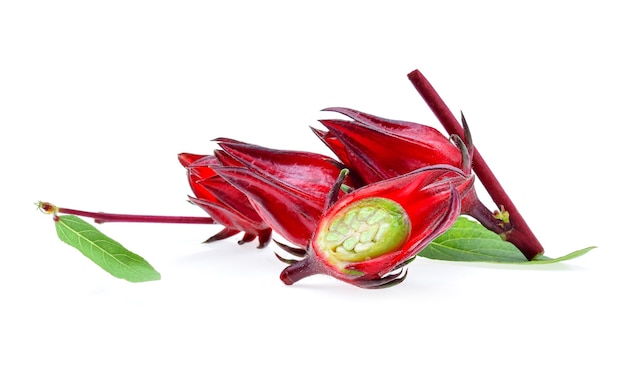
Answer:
(223, 202)
(287, 188)
(376, 148)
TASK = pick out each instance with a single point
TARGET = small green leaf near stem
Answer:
(104, 251)
(469, 241)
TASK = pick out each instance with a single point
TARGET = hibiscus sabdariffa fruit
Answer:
(375, 148)
(288, 189)
(224, 203)
(366, 237)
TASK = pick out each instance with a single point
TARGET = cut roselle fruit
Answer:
(223, 202)
(366, 237)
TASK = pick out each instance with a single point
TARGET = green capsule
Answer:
(365, 229)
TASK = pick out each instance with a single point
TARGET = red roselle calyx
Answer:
(223, 202)
(367, 237)
(376, 148)
(288, 189)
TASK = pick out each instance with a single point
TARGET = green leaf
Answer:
(542, 259)
(469, 241)
(104, 251)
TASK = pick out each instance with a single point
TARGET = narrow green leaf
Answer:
(104, 251)
(469, 241)
(542, 259)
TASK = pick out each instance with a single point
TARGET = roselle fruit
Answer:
(367, 236)
(223, 202)
(288, 189)
(375, 148)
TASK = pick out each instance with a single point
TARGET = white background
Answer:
(98, 98)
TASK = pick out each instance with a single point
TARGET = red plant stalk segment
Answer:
(49, 208)
(520, 234)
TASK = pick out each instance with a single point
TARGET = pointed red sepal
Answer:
(197, 166)
(298, 170)
(287, 188)
(291, 213)
(230, 197)
(223, 202)
(376, 148)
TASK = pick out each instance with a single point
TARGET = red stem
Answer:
(105, 217)
(298, 270)
(520, 234)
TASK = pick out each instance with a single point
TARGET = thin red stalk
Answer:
(520, 234)
(298, 270)
(106, 217)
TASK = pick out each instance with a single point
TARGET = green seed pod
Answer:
(364, 230)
